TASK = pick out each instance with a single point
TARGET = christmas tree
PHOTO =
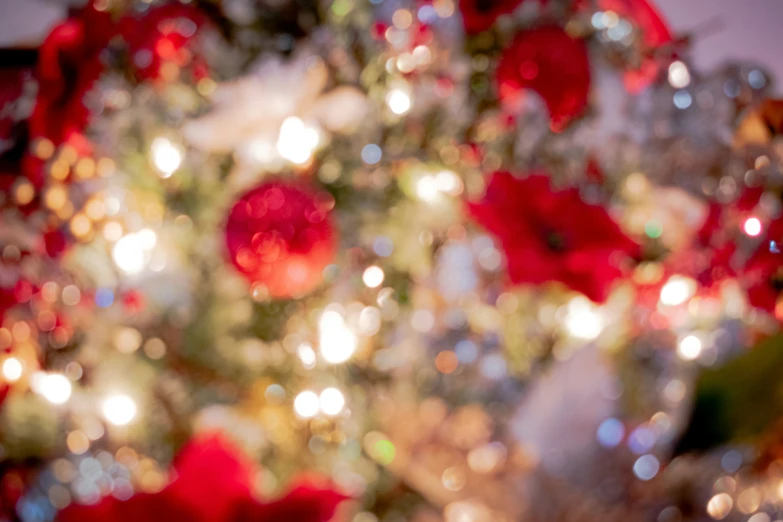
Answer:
(385, 261)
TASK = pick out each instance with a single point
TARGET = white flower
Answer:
(277, 114)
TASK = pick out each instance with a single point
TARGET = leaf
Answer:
(737, 402)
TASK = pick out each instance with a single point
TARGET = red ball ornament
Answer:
(280, 235)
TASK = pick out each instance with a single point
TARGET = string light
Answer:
(373, 276)
(332, 401)
(427, 189)
(679, 77)
(166, 156)
(752, 226)
(337, 342)
(131, 252)
(583, 320)
(119, 409)
(307, 404)
(54, 387)
(689, 348)
(12, 369)
(306, 355)
(677, 290)
(399, 101)
(720, 506)
(297, 141)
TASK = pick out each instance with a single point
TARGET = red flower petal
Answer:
(551, 63)
(310, 500)
(553, 236)
(68, 66)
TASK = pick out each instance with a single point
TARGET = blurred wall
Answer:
(732, 29)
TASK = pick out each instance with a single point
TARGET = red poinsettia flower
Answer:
(553, 235)
(68, 66)
(162, 35)
(551, 63)
(480, 15)
(213, 483)
(763, 273)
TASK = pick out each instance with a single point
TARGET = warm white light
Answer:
(448, 182)
(336, 341)
(306, 355)
(54, 387)
(677, 290)
(583, 320)
(147, 238)
(129, 253)
(398, 101)
(12, 369)
(297, 141)
(166, 156)
(427, 188)
(119, 409)
(752, 226)
(720, 506)
(689, 348)
(373, 276)
(679, 77)
(307, 404)
(263, 151)
(332, 401)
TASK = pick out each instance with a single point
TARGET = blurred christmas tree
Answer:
(475, 261)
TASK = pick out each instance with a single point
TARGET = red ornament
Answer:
(551, 63)
(214, 483)
(163, 35)
(553, 236)
(68, 67)
(280, 235)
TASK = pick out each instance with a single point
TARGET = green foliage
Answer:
(738, 401)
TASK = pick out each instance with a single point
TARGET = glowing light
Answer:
(147, 238)
(306, 355)
(646, 467)
(130, 252)
(689, 348)
(297, 141)
(337, 342)
(12, 369)
(166, 156)
(448, 182)
(679, 77)
(682, 99)
(677, 290)
(427, 189)
(332, 401)
(373, 276)
(307, 404)
(54, 387)
(398, 101)
(752, 226)
(583, 320)
(720, 506)
(610, 433)
(119, 409)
